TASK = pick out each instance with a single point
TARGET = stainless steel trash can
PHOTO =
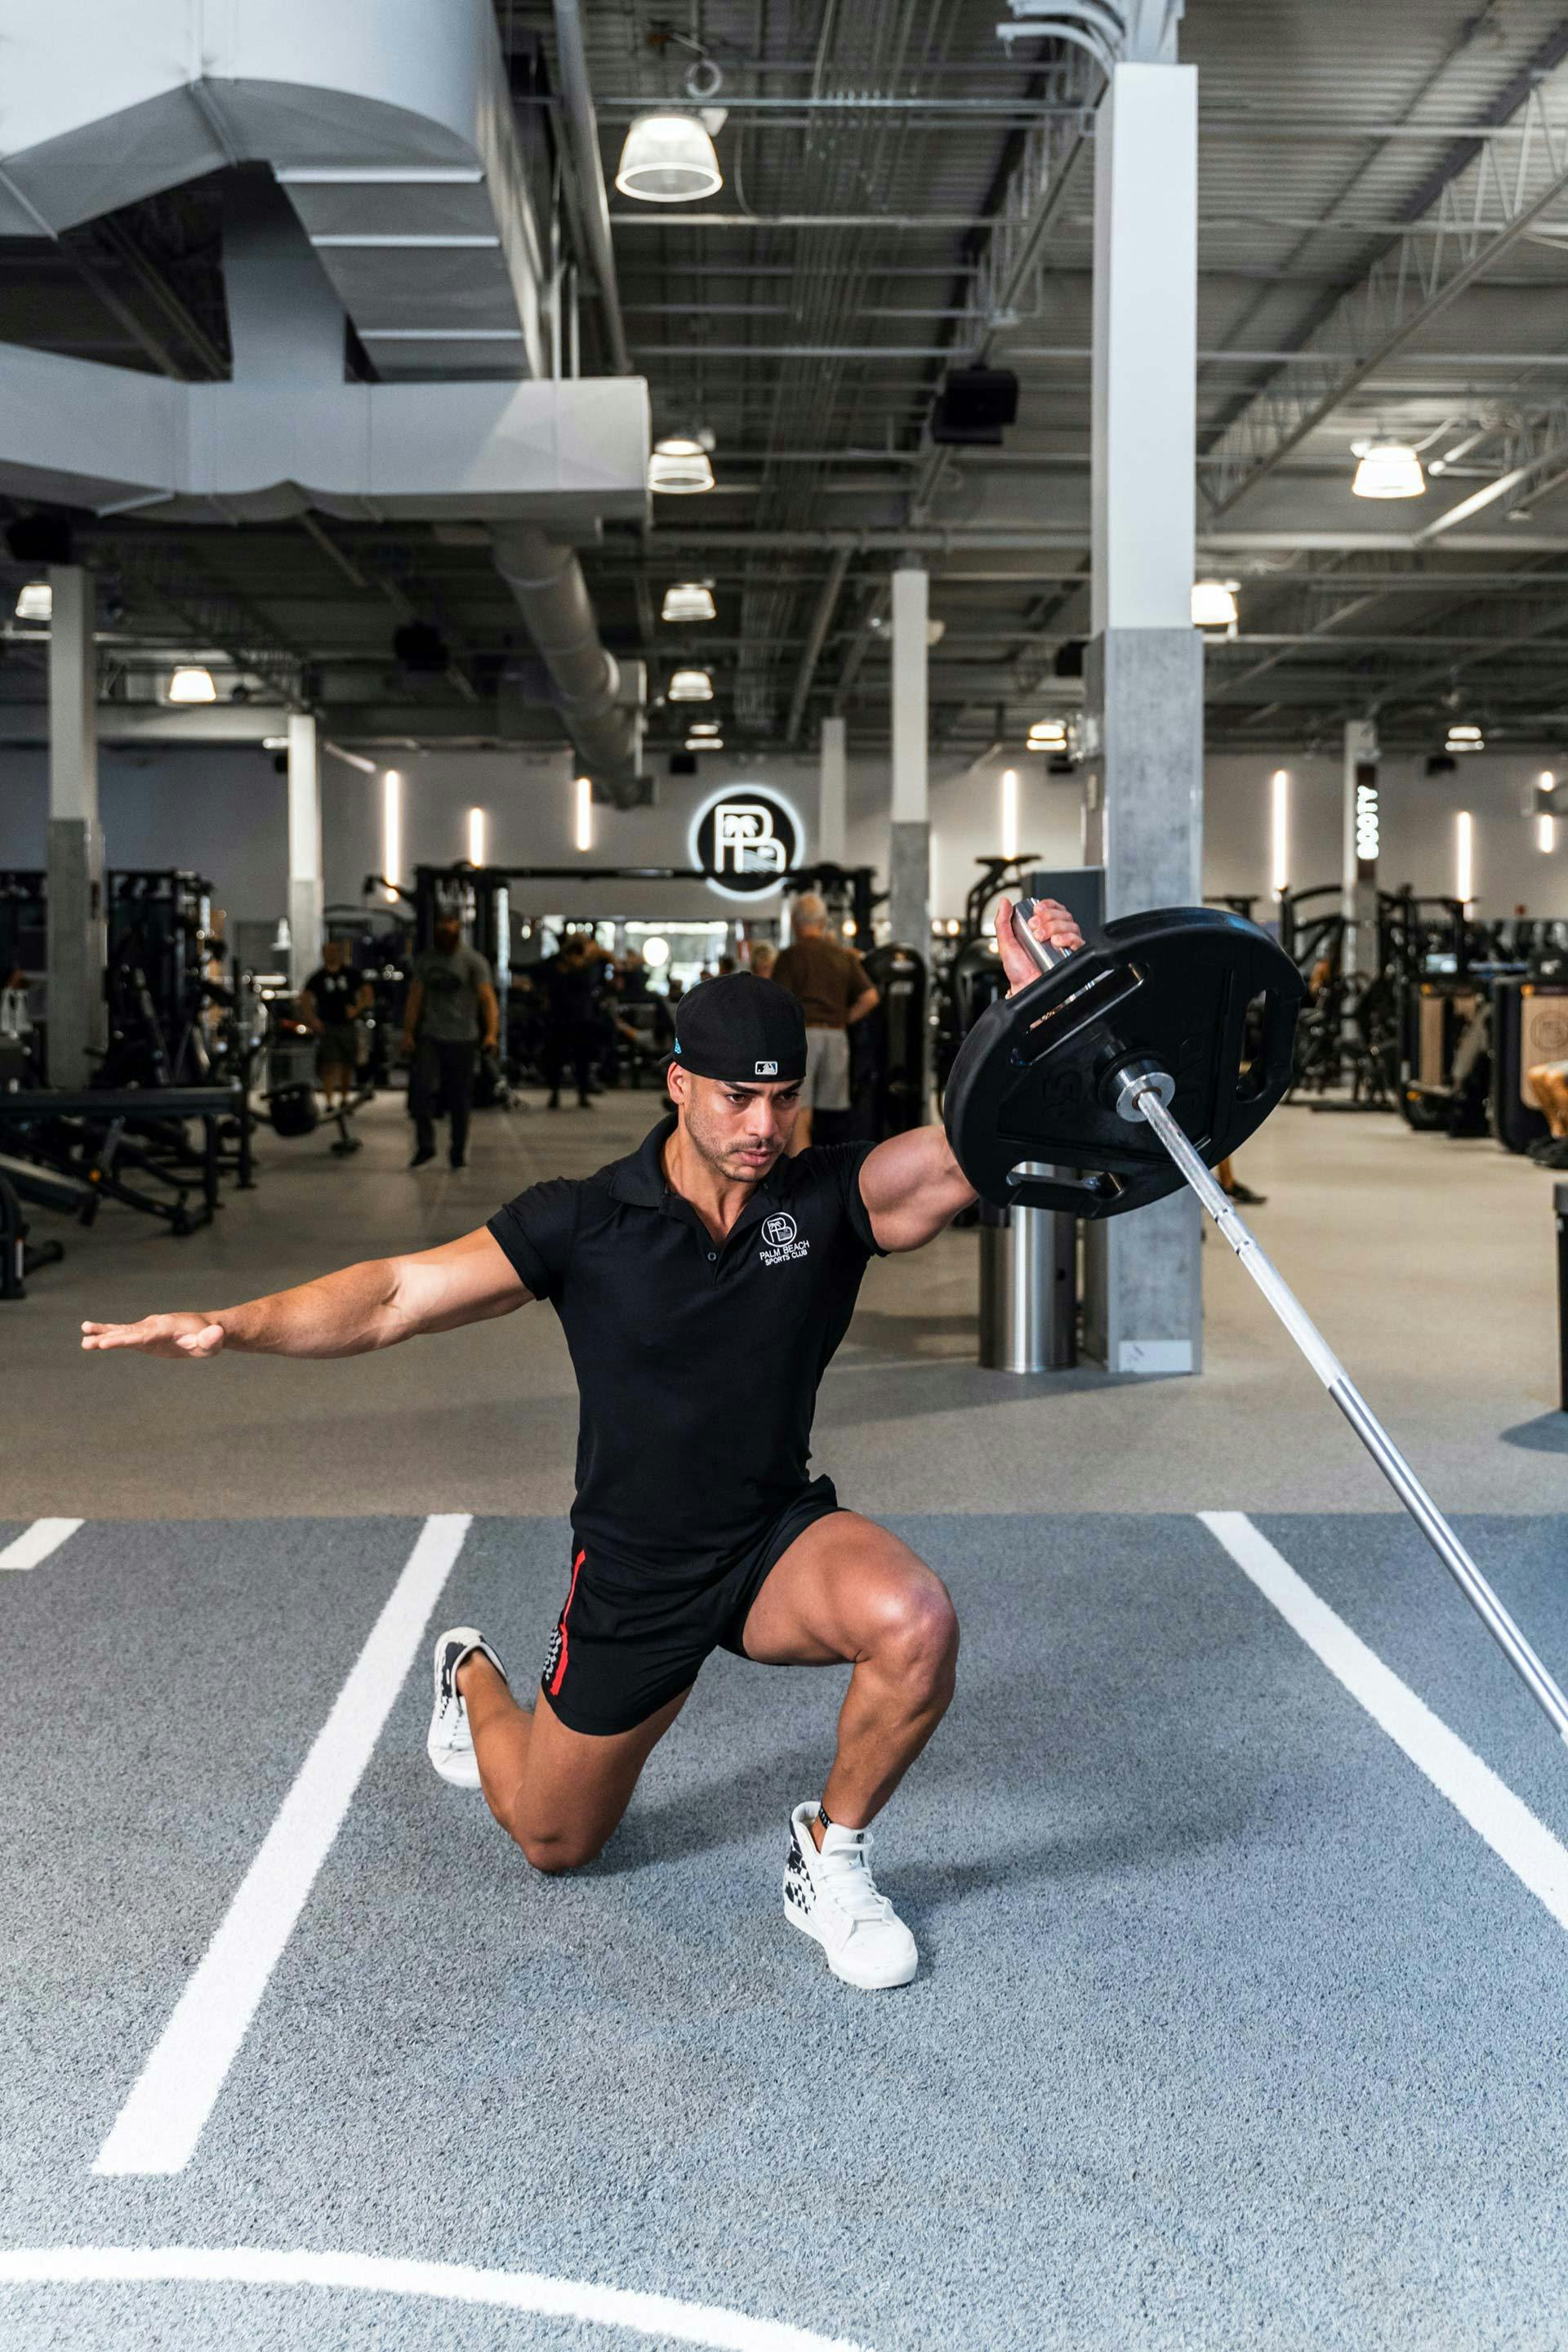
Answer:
(1028, 1290)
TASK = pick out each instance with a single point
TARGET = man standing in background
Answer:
(835, 992)
(451, 1009)
(329, 1004)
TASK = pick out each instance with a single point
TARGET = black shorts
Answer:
(335, 1048)
(627, 1641)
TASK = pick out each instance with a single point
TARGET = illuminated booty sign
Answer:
(1366, 823)
(745, 841)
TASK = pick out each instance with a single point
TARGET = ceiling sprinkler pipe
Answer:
(589, 171)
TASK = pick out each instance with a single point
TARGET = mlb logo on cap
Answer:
(767, 1069)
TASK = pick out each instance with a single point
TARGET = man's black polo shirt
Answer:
(697, 1366)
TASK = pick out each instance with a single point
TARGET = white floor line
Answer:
(159, 2125)
(1472, 1788)
(663, 2315)
(36, 1542)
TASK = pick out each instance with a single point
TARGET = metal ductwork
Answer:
(397, 194)
(388, 123)
(552, 596)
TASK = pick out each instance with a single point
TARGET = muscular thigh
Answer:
(836, 1590)
(576, 1784)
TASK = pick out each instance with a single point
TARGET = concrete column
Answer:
(78, 946)
(1361, 827)
(305, 895)
(1144, 670)
(909, 848)
(831, 796)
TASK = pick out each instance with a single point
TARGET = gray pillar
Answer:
(1143, 673)
(305, 894)
(909, 847)
(830, 807)
(1362, 826)
(78, 952)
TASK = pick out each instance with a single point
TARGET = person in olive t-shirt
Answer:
(835, 992)
(451, 1009)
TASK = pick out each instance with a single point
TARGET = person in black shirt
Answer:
(329, 1005)
(572, 1019)
(703, 1284)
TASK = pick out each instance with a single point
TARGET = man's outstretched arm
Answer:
(911, 1184)
(366, 1307)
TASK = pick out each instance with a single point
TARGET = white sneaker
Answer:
(449, 1742)
(832, 1895)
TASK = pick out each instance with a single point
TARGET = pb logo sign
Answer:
(745, 842)
(781, 1239)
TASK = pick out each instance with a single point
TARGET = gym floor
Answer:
(1239, 1868)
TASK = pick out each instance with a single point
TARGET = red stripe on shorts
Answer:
(557, 1677)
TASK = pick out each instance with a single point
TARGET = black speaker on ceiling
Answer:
(1441, 763)
(1069, 662)
(973, 407)
(683, 763)
(39, 539)
(420, 648)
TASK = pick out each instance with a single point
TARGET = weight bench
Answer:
(17, 1260)
(83, 1134)
(50, 1188)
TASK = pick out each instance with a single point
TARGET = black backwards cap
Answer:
(740, 1028)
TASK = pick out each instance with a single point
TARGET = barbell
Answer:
(1127, 1069)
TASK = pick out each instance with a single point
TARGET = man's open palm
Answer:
(188, 1336)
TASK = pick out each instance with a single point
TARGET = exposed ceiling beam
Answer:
(1476, 216)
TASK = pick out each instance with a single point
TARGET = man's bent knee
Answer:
(917, 1639)
(553, 1856)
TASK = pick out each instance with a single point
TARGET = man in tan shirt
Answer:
(835, 992)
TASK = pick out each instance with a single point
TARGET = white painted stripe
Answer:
(603, 2306)
(36, 1542)
(159, 2125)
(1513, 1832)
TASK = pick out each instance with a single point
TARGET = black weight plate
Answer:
(1030, 1088)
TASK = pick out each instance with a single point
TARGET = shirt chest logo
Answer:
(781, 1235)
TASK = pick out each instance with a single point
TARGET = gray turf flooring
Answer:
(1229, 2030)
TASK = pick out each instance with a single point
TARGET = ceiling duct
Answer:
(388, 124)
(552, 596)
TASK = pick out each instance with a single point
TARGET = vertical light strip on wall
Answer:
(476, 836)
(583, 791)
(1546, 823)
(391, 828)
(1280, 833)
(1464, 856)
(1009, 812)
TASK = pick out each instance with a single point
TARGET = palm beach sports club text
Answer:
(780, 1234)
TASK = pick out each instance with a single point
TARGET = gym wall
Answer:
(222, 812)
